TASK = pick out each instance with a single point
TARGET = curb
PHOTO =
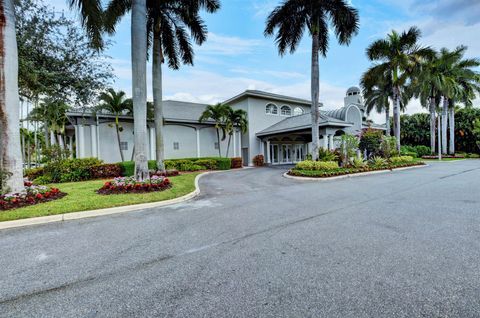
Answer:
(107, 211)
(353, 175)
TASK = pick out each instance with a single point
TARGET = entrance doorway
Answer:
(287, 153)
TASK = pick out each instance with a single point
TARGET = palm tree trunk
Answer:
(444, 125)
(52, 138)
(118, 139)
(387, 120)
(432, 125)
(139, 86)
(157, 97)
(10, 152)
(218, 140)
(315, 91)
(451, 126)
(46, 135)
(228, 144)
(60, 141)
(396, 116)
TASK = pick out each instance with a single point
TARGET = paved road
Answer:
(402, 244)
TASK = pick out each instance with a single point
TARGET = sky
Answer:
(237, 56)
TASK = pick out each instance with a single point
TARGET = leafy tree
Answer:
(370, 140)
(398, 56)
(235, 118)
(415, 129)
(217, 113)
(116, 104)
(289, 21)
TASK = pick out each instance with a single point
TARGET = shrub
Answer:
(210, 164)
(54, 153)
(401, 159)
(258, 160)
(105, 171)
(388, 147)
(224, 163)
(170, 164)
(422, 150)
(69, 170)
(371, 140)
(377, 161)
(327, 155)
(236, 163)
(43, 180)
(316, 165)
(33, 173)
(358, 163)
(167, 173)
(473, 155)
(349, 146)
(190, 166)
(127, 168)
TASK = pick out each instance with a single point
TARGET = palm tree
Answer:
(94, 22)
(116, 104)
(167, 24)
(10, 152)
(235, 118)
(290, 20)
(399, 56)
(218, 114)
(377, 93)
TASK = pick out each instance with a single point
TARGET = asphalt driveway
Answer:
(401, 244)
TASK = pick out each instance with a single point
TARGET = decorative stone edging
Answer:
(351, 175)
(106, 211)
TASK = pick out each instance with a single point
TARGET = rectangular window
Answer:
(216, 145)
(176, 145)
(123, 145)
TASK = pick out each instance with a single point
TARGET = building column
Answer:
(81, 141)
(70, 144)
(153, 144)
(93, 135)
(325, 142)
(239, 146)
(267, 160)
(330, 141)
(197, 130)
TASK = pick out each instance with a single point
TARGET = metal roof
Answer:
(301, 122)
(261, 94)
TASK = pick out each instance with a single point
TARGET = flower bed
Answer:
(122, 185)
(32, 194)
(344, 171)
(445, 157)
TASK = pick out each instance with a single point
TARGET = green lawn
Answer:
(82, 196)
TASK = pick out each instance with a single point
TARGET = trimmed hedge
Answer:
(317, 165)
(344, 171)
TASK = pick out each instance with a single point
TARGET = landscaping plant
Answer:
(258, 161)
(32, 194)
(121, 185)
(370, 140)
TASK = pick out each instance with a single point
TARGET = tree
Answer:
(398, 56)
(167, 25)
(10, 153)
(289, 21)
(377, 94)
(116, 104)
(218, 114)
(235, 118)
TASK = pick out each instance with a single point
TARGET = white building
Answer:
(279, 127)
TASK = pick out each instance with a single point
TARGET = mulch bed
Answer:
(19, 203)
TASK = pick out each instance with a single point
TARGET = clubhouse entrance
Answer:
(287, 153)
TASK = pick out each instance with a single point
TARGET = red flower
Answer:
(39, 196)
(107, 184)
(14, 200)
(54, 190)
(46, 194)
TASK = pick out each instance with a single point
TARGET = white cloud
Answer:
(228, 45)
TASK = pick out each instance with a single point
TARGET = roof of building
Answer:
(339, 113)
(272, 96)
(353, 89)
(301, 122)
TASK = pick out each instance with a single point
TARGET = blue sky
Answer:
(237, 56)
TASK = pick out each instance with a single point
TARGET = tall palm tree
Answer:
(95, 23)
(398, 56)
(218, 114)
(167, 24)
(235, 118)
(10, 152)
(377, 93)
(289, 21)
(116, 104)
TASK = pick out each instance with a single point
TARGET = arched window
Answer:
(271, 109)
(285, 110)
(298, 111)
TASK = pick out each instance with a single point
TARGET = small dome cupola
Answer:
(353, 91)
